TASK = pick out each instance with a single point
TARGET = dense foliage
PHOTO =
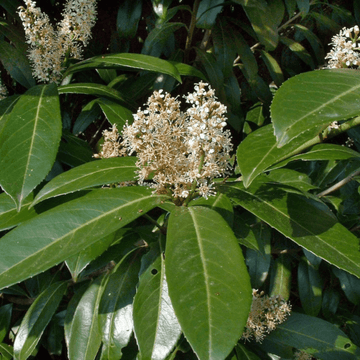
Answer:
(179, 180)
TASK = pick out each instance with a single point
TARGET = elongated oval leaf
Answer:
(115, 113)
(315, 336)
(156, 326)
(84, 332)
(36, 319)
(46, 240)
(101, 172)
(9, 216)
(309, 102)
(131, 61)
(208, 281)
(116, 306)
(307, 222)
(29, 141)
(259, 151)
(6, 106)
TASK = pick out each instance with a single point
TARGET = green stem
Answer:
(191, 30)
(194, 183)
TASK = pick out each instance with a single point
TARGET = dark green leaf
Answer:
(128, 17)
(131, 61)
(310, 288)
(265, 22)
(5, 319)
(207, 13)
(16, 63)
(243, 353)
(34, 126)
(77, 263)
(307, 222)
(6, 351)
(116, 306)
(304, 6)
(6, 106)
(330, 303)
(280, 282)
(115, 113)
(244, 229)
(299, 50)
(83, 222)
(157, 40)
(9, 216)
(315, 336)
(100, 172)
(329, 95)
(89, 113)
(107, 75)
(273, 67)
(36, 319)
(188, 70)
(350, 285)
(156, 326)
(84, 332)
(208, 282)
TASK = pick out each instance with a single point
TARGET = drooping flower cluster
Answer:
(181, 152)
(49, 47)
(111, 146)
(345, 52)
(265, 314)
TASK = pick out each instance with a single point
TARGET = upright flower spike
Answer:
(49, 48)
(179, 153)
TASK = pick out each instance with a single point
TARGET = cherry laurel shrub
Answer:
(187, 232)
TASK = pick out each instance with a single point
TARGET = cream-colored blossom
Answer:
(111, 146)
(265, 314)
(181, 152)
(345, 49)
(3, 91)
(49, 47)
(302, 355)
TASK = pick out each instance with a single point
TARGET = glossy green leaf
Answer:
(5, 319)
(349, 284)
(243, 228)
(273, 67)
(36, 319)
(100, 172)
(84, 332)
(207, 12)
(115, 113)
(17, 64)
(259, 151)
(9, 216)
(309, 102)
(29, 141)
(243, 353)
(55, 337)
(156, 41)
(77, 263)
(107, 75)
(307, 222)
(128, 17)
(292, 178)
(299, 50)
(280, 281)
(314, 41)
(304, 6)
(92, 89)
(116, 306)
(310, 288)
(330, 303)
(156, 326)
(220, 203)
(6, 351)
(258, 261)
(130, 61)
(212, 68)
(83, 222)
(208, 282)
(6, 106)
(322, 152)
(188, 70)
(265, 22)
(89, 114)
(315, 336)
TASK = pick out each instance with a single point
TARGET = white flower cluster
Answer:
(345, 52)
(50, 47)
(179, 153)
(3, 91)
